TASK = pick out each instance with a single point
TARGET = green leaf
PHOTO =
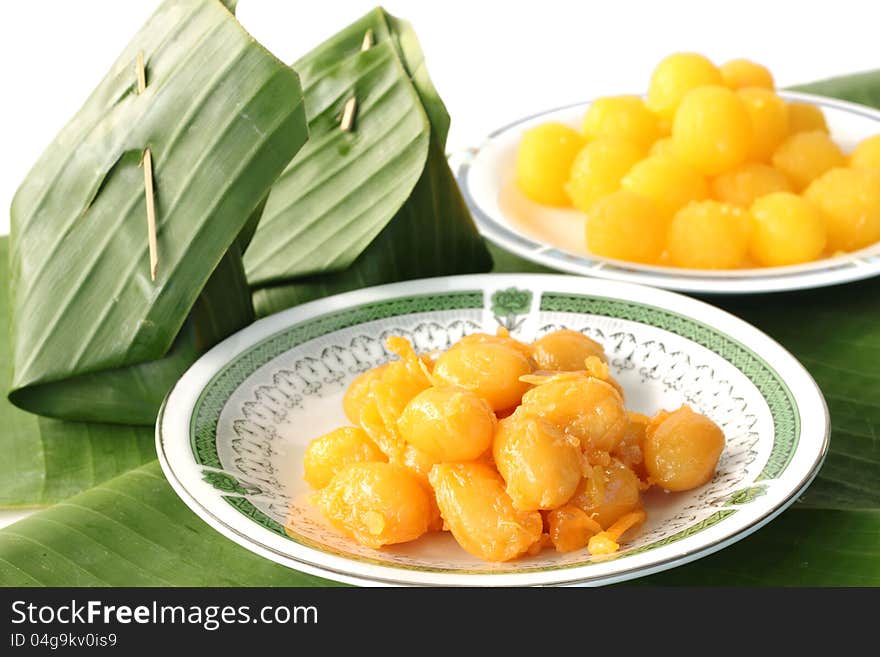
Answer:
(93, 337)
(803, 547)
(861, 88)
(130, 531)
(337, 217)
(44, 460)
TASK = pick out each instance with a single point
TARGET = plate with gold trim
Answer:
(232, 432)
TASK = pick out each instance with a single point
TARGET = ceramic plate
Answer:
(553, 237)
(232, 432)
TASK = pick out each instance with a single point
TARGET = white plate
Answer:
(232, 432)
(506, 217)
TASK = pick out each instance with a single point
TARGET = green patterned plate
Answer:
(232, 432)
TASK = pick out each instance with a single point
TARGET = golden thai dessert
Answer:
(710, 170)
(511, 447)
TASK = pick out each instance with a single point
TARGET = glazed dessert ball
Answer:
(805, 156)
(674, 77)
(598, 168)
(565, 351)
(376, 503)
(712, 130)
(740, 73)
(867, 154)
(747, 182)
(326, 456)
(786, 230)
(585, 407)
(480, 514)
(769, 116)
(805, 117)
(621, 117)
(607, 493)
(539, 463)
(850, 203)
(448, 423)
(682, 449)
(544, 160)
(489, 370)
(626, 226)
(667, 182)
(708, 235)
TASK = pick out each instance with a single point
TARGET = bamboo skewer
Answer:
(151, 214)
(350, 109)
(149, 191)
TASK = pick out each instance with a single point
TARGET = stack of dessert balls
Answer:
(711, 170)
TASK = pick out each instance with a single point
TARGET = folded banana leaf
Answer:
(374, 204)
(93, 337)
(45, 460)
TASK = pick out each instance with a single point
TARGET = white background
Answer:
(492, 61)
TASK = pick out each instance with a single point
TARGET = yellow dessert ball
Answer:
(565, 351)
(377, 503)
(747, 182)
(327, 455)
(708, 235)
(712, 131)
(786, 230)
(540, 464)
(663, 147)
(667, 182)
(850, 203)
(448, 423)
(488, 369)
(623, 117)
(674, 77)
(682, 449)
(598, 168)
(867, 154)
(543, 162)
(804, 117)
(769, 116)
(740, 73)
(805, 156)
(480, 514)
(626, 226)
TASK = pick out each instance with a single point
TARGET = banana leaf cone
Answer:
(374, 203)
(94, 337)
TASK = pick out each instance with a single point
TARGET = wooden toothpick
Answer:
(151, 214)
(367, 43)
(350, 109)
(141, 73)
(149, 191)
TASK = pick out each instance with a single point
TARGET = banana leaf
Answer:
(373, 205)
(130, 531)
(93, 337)
(862, 88)
(46, 460)
(831, 537)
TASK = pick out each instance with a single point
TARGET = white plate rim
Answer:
(217, 357)
(849, 267)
